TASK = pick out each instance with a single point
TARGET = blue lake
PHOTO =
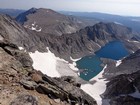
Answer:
(113, 50)
(90, 66)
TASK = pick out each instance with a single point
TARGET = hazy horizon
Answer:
(116, 7)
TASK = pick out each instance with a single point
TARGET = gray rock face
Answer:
(108, 31)
(25, 100)
(125, 100)
(59, 88)
(118, 86)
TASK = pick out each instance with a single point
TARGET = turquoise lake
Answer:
(90, 66)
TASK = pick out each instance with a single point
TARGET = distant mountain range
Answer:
(11, 12)
(129, 21)
(132, 22)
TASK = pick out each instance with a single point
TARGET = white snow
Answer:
(118, 63)
(98, 45)
(137, 20)
(34, 27)
(74, 60)
(95, 90)
(53, 66)
(73, 64)
(33, 24)
(21, 48)
(118, 23)
(133, 41)
(45, 62)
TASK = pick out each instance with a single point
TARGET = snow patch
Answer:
(118, 63)
(137, 20)
(34, 27)
(53, 66)
(98, 45)
(45, 62)
(21, 48)
(118, 23)
(74, 60)
(95, 90)
(133, 41)
(73, 64)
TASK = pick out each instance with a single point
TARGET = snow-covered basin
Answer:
(97, 89)
(54, 66)
(45, 62)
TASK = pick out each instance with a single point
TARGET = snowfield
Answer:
(97, 89)
(53, 66)
(118, 63)
(45, 63)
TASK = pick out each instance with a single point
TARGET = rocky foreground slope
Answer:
(20, 84)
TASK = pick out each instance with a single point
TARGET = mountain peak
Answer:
(49, 21)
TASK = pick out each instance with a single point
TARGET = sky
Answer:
(120, 7)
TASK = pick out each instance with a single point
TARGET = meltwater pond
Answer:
(90, 66)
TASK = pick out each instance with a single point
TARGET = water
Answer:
(113, 50)
(90, 66)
